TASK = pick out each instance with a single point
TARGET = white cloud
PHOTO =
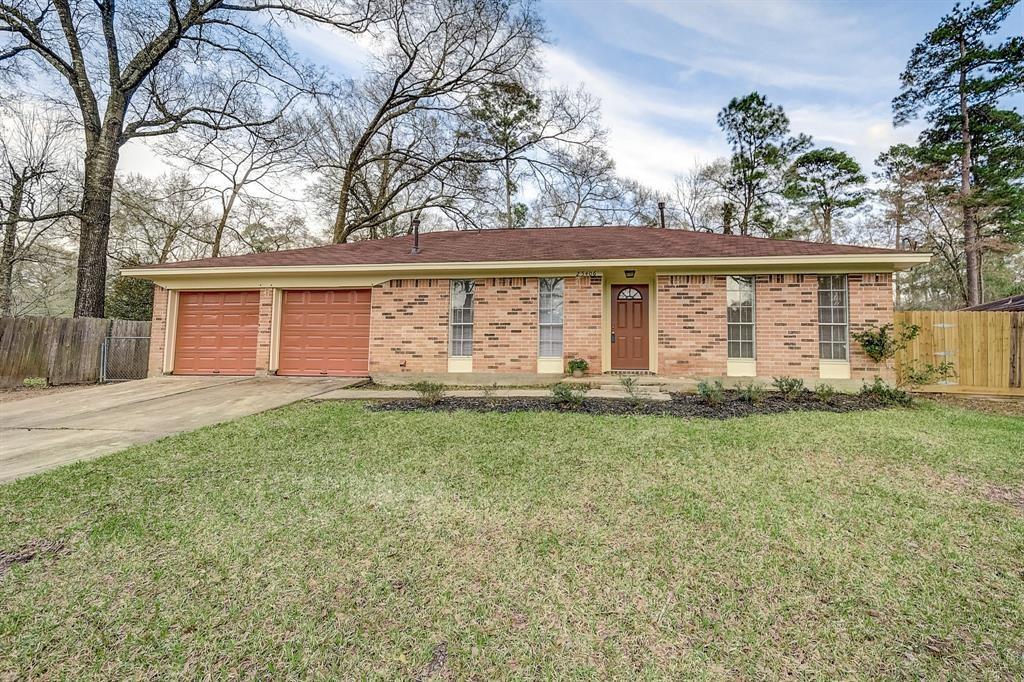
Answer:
(641, 121)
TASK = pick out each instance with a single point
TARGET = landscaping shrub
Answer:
(753, 393)
(34, 382)
(631, 385)
(711, 391)
(825, 392)
(914, 373)
(882, 343)
(789, 387)
(886, 394)
(430, 392)
(568, 395)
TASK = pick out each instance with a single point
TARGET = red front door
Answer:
(630, 341)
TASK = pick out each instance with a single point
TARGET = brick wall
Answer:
(158, 332)
(505, 324)
(871, 303)
(409, 326)
(583, 307)
(691, 325)
(786, 325)
(264, 331)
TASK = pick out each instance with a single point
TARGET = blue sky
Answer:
(664, 69)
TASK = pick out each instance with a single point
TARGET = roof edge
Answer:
(892, 259)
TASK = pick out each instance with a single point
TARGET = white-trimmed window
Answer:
(833, 317)
(739, 298)
(551, 296)
(460, 320)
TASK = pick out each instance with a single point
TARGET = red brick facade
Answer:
(786, 325)
(870, 304)
(158, 332)
(583, 308)
(691, 325)
(409, 326)
(505, 324)
(264, 331)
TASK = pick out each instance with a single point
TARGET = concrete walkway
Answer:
(643, 392)
(41, 433)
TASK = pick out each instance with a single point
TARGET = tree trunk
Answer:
(10, 242)
(508, 195)
(218, 236)
(972, 247)
(100, 166)
(826, 226)
(340, 231)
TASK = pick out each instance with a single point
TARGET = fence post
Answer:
(103, 359)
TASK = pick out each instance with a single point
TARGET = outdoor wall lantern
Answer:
(630, 274)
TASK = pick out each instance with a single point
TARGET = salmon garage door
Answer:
(325, 332)
(216, 332)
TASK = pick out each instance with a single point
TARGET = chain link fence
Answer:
(123, 358)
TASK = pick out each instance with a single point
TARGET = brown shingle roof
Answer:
(534, 244)
(1010, 304)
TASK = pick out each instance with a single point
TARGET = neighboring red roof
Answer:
(1010, 304)
(534, 244)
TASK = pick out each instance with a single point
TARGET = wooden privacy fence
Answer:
(65, 350)
(987, 349)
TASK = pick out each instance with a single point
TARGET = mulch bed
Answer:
(681, 405)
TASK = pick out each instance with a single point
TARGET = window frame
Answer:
(469, 289)
(541, 325)
(752, 324)
(833, 343)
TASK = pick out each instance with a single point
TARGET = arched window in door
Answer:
(630, 294)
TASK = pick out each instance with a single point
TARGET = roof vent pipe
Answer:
(661, 213)
(415, 235)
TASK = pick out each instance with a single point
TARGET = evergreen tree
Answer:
(953, 71)
(826, 182)
(762, 147)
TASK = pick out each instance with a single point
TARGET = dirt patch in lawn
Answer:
(1012, 495)
(1009, 407)
(30, 550)
(681, 405)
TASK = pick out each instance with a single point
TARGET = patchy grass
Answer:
(330, 541)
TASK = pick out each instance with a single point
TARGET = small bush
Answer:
(34, 382)
(882, 343)
(430, 392)
(886, 394)
(631, 385)
(711, 391)
(825, 392)
(914, 374)
(578, 365)
(789, 387)
(568, 395)
(752, 393)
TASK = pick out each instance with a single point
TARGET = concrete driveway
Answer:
(41, 433)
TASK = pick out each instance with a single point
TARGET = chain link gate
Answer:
(124, 358)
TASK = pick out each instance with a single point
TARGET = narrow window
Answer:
(461, 319)
(740, 317)
(550, 318)
(832, 317)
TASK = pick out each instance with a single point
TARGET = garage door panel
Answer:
(325, 332)
(216, 332)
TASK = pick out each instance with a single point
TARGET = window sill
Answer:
(458, 365)
(834, 369)
(549, 366)
(741, 367)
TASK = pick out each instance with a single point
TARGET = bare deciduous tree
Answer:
(406, 122)
(36, 180)
(143, 69)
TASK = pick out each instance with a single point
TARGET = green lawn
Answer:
(324, 540)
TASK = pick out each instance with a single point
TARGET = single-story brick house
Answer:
(525, 301)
